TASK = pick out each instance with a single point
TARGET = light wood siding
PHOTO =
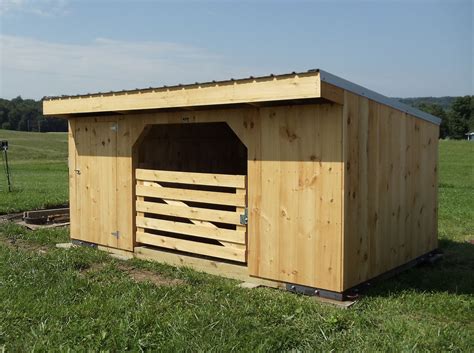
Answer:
(390, 198)
(337, 194)
(295, 171)
(294, 188)
(93, 181)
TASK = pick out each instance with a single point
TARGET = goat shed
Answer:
(302, 178)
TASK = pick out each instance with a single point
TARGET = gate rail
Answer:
(162, 205)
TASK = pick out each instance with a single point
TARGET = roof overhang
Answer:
(304, 86)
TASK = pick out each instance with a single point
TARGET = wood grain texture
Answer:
(217, 198)
(336, 194)
(73, 196)
(202, 214)
(95, 179)
(237, 181)
(219, 268)
(192, 247)
(294, 192)
(390, 188)
(197, 230)
(287, 87)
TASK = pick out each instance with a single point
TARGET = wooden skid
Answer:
(234, 271)
(220, 234)
(202, 214)
(216, 198)
(192, 246)
(224, 180)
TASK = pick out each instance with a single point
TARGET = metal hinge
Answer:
(116, 234)
(244, 218)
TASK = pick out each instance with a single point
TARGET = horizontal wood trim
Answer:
(201, 214)
(217, 198)
(192, 246)
(227, 235)
(224, 180)
(264, 89)
(214, 267)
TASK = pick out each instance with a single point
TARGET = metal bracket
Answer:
(295, 288)
(244, 218)
(116, 234)
(83, 243)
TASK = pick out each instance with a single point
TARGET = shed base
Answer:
(213, 267)
(354, 292)
(240, 272)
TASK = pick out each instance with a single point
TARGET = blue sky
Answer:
(398, 48)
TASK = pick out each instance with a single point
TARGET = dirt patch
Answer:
(141, 275)
(24, 245)
(10, 217)
(137, 274)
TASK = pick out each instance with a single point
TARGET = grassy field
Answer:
(38, 164)
(81, 299)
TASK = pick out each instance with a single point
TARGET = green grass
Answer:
(82, 300)
(38, 164)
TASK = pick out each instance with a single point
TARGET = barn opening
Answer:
(191, 193)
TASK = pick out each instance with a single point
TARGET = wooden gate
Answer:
(197, 213)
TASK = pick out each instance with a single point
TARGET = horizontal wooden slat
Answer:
(217, 198)
(225, 180)
(202, 214)
(192, 246)
(228, 235)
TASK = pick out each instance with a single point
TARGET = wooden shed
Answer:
(298, 179)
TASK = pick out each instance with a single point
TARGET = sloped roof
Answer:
(289, 86)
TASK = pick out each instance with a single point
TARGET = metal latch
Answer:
(116, 234)
(244, 218)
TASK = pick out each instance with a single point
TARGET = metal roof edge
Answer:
(365, 92)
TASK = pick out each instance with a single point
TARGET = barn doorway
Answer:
(191, 190)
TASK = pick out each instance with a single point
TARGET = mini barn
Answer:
(303, 180)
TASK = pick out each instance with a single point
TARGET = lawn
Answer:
(38, 165)
(82, 300)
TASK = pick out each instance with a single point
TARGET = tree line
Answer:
(457, 114)
(27, 115)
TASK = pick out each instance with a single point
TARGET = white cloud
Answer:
(35, 68)
(35, 7)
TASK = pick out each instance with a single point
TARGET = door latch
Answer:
(244, 218)
(116, 234)
(77, 171)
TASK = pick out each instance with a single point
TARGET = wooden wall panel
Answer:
(93, 181)
(390, 198)
(295, 185)
(295, 196)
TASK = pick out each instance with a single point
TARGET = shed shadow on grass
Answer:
(452, 274)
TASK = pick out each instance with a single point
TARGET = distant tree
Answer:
(6, 125)
(438, 111)
(27, 115)
(461, 117)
